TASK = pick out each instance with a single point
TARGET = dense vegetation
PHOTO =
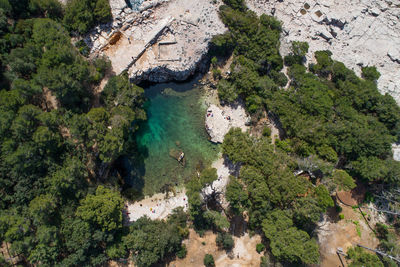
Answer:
(336, 128)
(82, 15)
(59, 193)
(286, 207)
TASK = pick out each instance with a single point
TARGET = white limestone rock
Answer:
(219, 120)
(357, 32)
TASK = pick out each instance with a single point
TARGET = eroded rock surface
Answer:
(357, 32)
(219, 120)
(158, 40)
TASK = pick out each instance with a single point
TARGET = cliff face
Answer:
(160, 41)
(166, 39)
(357, 32)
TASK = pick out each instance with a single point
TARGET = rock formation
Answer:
(158, 40)
(220, 119)
(357, 32)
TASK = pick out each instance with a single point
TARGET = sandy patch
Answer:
(243, 254)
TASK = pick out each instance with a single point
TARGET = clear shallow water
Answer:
(175, 121)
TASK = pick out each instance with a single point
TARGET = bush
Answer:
(47, 8)
(217, 74)
(328, 153)
(82, 48)
(225, 241)
(283, 145)
(182, 252)
(81, 15)
(370, 73)
(260, 247)
(359, 257)
(264, 262)
(226, 91)
(209, 260)
(341, 216)
(5, 5)
(214, 61)
(266, 131)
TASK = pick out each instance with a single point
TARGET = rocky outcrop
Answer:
(160, 40)
(357, 32)
(219, 120)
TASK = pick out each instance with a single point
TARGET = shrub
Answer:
(343, 180)
(283, 145)
(266, 131)
(264, 262)
(226, 91)
(209, 260)
(225, 241)
(182, 252)
(260, 247)
(328, 153)
(370, 73)
(214, 61)
(217, 74)
(81, 15)
(341, 216)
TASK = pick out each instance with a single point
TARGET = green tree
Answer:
(370, 73)
(102, 11)
(287, 242)
(226, 91)
(42, 208)
(208, 260)
(370, 168)
(359, 257)
(323, 198)
(208, 176)
(236, 195)
(103, 209)
(80, 16)
(343, 180)
(225, 241)
(151, 241)
(46, 8)
(217, 219)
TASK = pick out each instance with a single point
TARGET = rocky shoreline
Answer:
(162, 40)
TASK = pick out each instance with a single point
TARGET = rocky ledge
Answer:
(158, 40)
(357, 32)
(220, 119)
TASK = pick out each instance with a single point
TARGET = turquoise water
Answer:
(175, 121)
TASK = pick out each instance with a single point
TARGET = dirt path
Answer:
(334, 233)
(98, 89)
